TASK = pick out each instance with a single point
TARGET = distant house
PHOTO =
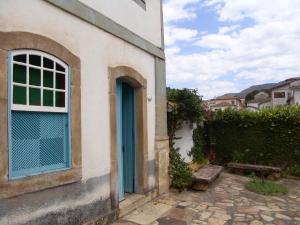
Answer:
(295, 88)
(261, 100)
(282, 93)
(224, 102)
(286, 92)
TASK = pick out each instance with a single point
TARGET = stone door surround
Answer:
(139, 84)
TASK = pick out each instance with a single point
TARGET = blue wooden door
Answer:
(119, 138)
(128, 118)
(125, 138)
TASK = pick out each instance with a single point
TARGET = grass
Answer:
(266, 187)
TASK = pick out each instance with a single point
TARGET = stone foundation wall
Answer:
(162, 164)
(78, 203)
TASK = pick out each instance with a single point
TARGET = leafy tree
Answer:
(186, 106)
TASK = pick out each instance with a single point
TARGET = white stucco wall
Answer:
(186, 142)
(145, 23)
(297, 96)
(280, 101)
(265, 105)
(98, 51)
(252, 106)
(215, 108)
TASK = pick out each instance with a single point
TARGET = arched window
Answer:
(39, 136)
(39, 82)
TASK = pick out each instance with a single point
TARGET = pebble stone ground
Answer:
(226, 202)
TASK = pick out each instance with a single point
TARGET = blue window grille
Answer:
(39, 141)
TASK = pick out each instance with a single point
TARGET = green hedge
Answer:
(268, 137)
(200, 143)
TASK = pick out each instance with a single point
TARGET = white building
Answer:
(282, 94)
(295, 87)
(261, 100)
(83, 109)
(224, 102)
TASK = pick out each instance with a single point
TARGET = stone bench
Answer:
(205, 176)
(270, 171)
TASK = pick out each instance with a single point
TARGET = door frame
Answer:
(124, 165)
(136, 80)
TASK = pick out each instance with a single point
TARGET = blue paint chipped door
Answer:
(119, 139)
(126, 138)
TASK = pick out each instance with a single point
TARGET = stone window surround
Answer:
(24, 40)
(139, 84)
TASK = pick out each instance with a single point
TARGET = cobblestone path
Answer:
(226, 202)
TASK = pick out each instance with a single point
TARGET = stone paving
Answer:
(226, 202)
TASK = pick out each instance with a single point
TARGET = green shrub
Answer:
(197, 151)
(180, 173)
(268, 137)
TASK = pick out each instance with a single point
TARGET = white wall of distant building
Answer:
(185, 143)
(283, 100)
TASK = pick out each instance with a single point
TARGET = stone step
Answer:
(272, 172)
(252, 167)
(132, 202)
(205, 176)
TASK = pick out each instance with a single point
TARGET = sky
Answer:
(222, 46)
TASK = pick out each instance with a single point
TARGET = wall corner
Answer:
(161, 136)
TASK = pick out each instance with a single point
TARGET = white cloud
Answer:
(218, 41)
(174, 34)
(175, 10)
(268, 74)
(259, 10)
(267, 51)
(172, 51)
(224, 30)
(216, 88)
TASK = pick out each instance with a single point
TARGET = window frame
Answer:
(279, 93)
(41, 108)
(13, 41)
(50, 169)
